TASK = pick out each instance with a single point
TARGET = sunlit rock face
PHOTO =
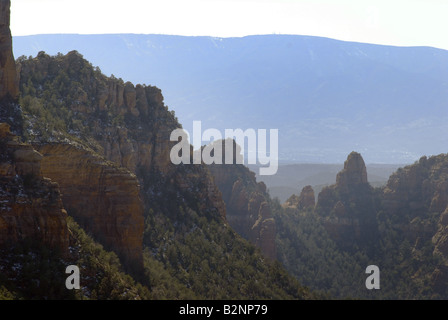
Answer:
(30, 205)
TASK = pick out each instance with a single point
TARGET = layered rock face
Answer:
(347, 207)
(247, 205)
(9, 87)
(30, 205)
(126, 124)
(122, 163)
(10, 111)
(103, 197)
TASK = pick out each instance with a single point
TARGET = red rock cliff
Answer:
(8, 75)
(30, 205)
(103, 197)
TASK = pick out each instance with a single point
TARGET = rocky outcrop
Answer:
(347, 208)
(291, 202)
(30, 205)
(351, 185)
(353, 174)
(9, 87)
(247, 205)
(306, 199)
(10, 111)
(126, 124)
(405, 190)
(103, 197)
(122, 165)
(264, 231)
(415, 191)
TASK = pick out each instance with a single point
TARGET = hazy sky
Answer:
(396, 22)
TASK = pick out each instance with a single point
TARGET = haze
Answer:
(402, 23)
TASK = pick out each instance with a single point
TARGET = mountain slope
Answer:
(106, 142)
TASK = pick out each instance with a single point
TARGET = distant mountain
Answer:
(326, 97)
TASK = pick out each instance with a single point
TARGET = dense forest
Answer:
(406, 237)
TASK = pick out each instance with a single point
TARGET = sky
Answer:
(390, 22)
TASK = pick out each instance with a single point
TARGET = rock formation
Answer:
(347, 207)
(113, 160)
(9, 87)
(103, 197)
(10, 111)
(247, 204)
(263, 231)
(30, 205)
(306, 199)
(353, 174)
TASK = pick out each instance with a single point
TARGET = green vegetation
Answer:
(48, 96)
(189, 250)
(307, 251)
(408, 245)
(31, 270)
(202, 253)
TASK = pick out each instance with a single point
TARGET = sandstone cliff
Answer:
(121, 169)
(30, 205)
(9, 87)
(348, 207)
(103, 197)
(10, 111)
(247, 205)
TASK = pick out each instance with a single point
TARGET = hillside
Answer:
(400, 227)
